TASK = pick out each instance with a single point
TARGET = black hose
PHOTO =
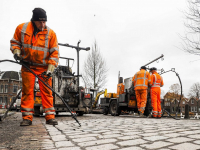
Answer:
(173, 70)
(21, 63)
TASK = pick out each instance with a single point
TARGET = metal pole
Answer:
(154, 60)
(77, 49)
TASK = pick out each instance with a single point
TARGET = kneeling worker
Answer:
(140, 81)
(156, 83)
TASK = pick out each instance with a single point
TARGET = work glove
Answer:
(50, 70)
(16, 54)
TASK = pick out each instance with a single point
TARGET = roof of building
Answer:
(11, 75)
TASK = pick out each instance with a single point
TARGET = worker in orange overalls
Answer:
(156, 83)
(140, 81)
(36, 45)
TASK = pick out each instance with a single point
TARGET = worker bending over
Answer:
(140, 81)
(156, 83)
(36, 44)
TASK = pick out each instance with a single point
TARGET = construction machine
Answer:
(66, 84)
(125, 98)
(97, 97)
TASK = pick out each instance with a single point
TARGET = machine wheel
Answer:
(105, 110)
(114, 110)
(80, 113)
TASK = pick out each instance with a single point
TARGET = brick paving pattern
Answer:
(125, 134)
(103, 133)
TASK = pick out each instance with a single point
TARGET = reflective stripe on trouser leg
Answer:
(159, 114)
(49, 113)
(47, 99)
(154, 114)
(27, 100)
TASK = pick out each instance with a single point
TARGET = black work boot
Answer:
(142, 115)
(52, 122)
(26, 122)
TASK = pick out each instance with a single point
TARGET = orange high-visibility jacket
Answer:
(42, 51)
(141, 80)
(156, 80)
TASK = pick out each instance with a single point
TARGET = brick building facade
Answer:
(10, 83)
(171, 102)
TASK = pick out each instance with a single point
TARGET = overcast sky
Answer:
(129, 33)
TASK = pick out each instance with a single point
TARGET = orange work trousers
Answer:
(141, 96)
(27, 100)
(155, 102)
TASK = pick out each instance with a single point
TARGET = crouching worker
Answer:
(156, 83)
(36, 44)
(140, 81)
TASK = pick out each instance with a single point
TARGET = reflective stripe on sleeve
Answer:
(55, 59)
(54, 49)
(16, 41)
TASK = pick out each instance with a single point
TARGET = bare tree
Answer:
(95, 70)
(175, 90)
(195, 91)
(191, 40)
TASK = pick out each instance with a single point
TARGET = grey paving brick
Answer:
(70, 148)
(197, 142)
(131, 148)
(132, 142)
(63, 144)
(128, 137)
(156, 145)
(155, 138)
(82, 136)
(179, 140)
(93, 143)
(186, 146)
(173, 135)
(103, 147)
(58, 137)
(196, 136)
(84, 139)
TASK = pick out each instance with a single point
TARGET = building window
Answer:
(15, 88)
(1, 99)
(5, 100)
(183, 102)
(6, 89)
(1, 88)
(183, 109)
(192, 101)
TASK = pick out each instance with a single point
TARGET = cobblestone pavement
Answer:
(107, 132)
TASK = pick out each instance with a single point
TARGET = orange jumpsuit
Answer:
(156, 83)
(39, 51)
(140, 81)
